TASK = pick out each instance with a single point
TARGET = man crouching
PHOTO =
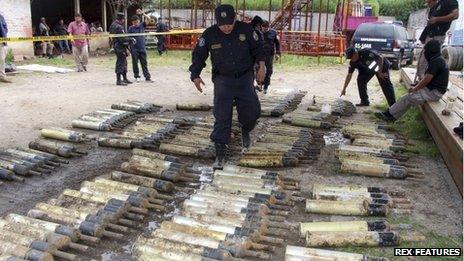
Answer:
(430, 88)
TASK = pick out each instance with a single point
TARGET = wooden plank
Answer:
(441, 129)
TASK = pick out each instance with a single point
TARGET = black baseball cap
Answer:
(225, 14)
(135, 18)
(350, 51)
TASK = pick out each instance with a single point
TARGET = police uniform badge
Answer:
(201, 42)
(223, 14)
(255, 36)
(242, 37)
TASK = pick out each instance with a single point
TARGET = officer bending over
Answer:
(121, 46)
(430, 88)
(369, 63)
(234, 49)
(272, 51)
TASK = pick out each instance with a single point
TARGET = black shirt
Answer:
(442, 8)
(119, 43)
(367, 63)
(61, 29)
(438, 67)
(271, 42)
(140, 40)
(230, 53)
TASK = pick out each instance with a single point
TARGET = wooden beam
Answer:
(77, 6)
(104, 15)
(440, 127)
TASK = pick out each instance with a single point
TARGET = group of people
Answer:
(432, 75)
(135, 46)
(61, 29)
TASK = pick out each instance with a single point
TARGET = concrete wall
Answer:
(17, 14)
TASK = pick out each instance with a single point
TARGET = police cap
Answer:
(225, 15)
(350, 51)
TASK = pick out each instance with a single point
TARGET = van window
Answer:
(375, 31)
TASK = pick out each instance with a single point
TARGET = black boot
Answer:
(246, 140)
(125, 80)
(220, 156)
(265, 89)
(119, 81)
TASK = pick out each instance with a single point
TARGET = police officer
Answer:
(369, 63)
(234, 49)
(161, 28)
(121, 46)
(272, 51)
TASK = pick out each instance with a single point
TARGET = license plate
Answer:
(362, 45)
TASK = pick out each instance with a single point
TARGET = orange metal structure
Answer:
(312, 43)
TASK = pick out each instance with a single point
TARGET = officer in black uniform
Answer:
(369, 63)
(234, 48)
(256, 23)
(272, 51)
(121, 47)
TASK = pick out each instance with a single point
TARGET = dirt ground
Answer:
(37, 100)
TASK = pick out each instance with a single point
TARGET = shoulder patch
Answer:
(201, 42)
(242, 37)
(255, 36)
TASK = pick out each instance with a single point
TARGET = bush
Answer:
(400, 9)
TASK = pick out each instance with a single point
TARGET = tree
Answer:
(121, 5)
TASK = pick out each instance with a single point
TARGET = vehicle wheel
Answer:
(450, 54)
(397, 64)
(459, 59)
(410, 60)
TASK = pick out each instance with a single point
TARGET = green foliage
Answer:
(9, 57)
(412, 126)
(400, 9)
(433, 240)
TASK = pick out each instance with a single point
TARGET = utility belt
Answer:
(234, 75)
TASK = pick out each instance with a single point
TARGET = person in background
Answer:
(441, 14)
(272, 50)
(44, 30)
(369, 63)
(3, 50)
(430, 88)
(60, 30)
(93, 28)
(79, 46)
(161, 28)
(256, 24)
(121, 46)
(138, 50)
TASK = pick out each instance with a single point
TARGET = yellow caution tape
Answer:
(94, 36)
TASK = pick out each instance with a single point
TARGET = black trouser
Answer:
(121, 61)
(161, 46)
(228, 89)
(385, 84)
(269, 70)
(140, 55)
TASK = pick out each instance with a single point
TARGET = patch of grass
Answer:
(433, 240)
(290, 61)
(183, 59)
(9, 57)
(413, 127)
(66, 62)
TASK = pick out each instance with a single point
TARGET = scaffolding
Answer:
(294, 22)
